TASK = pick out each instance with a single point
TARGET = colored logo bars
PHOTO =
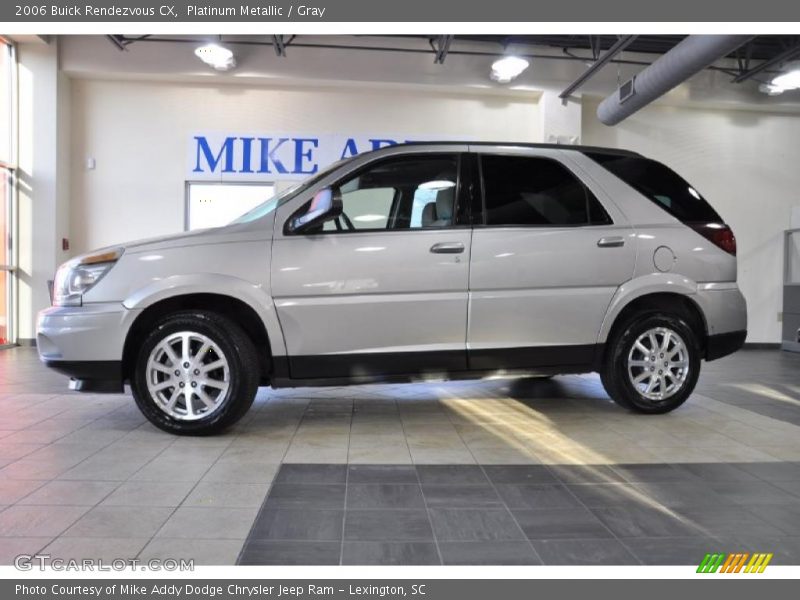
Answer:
(734, 562)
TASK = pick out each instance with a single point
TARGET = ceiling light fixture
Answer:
(788, 80)
(507, 68)
(214, 55)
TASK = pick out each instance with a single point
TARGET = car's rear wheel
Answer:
(196, 373)
(652, 363)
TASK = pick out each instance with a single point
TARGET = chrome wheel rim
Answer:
(658, 364)
(188, 376)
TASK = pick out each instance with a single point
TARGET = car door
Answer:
(547, 257)
(383, 289)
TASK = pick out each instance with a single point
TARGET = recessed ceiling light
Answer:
(214, 55)
(507, 68)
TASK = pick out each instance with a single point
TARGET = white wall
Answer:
(746, 163)
(138, 133)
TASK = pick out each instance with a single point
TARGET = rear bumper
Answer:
(723, 344)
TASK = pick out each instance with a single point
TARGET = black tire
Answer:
(243, 367)
(614, 371)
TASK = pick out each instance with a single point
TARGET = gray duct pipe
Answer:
(689, 57)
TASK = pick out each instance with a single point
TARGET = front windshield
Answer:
(274, 202)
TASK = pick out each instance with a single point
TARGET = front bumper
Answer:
(85, 343)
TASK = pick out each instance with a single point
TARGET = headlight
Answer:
(76, 277)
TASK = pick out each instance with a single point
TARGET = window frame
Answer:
(8, 203)
(461, 207)
(482, 223)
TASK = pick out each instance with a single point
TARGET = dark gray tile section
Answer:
(519, 514)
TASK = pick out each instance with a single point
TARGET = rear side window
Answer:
(660, 184)
(524, 190)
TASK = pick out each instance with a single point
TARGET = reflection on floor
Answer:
(493, 471)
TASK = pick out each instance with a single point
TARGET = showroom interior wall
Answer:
(746, 163)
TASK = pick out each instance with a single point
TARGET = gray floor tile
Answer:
(219, 523)
(519, 474)
(11, 547)
(263, 552)
(784, 517)
(119, 522)
(653, 472)
(474, 525)
(488, 553)
(461, 496)
(748, 493)
(583, 552)
(310, 473)
(38, 521)
(390, 553)
(304, 495)
(716, 471)
(381, 474)
(387, 525)
(75, 493)
(672, 551)
(586, 474)
(683, 493)
(13, 490)
(632, 522)
(561, 523)
(535, 495)
(728, 520)
(384, 495)
(451, 474)
(596, 495)
(202, 552)
(106, 549)
(298, 524)
(149, 493)
(233, 495)
(778, 471)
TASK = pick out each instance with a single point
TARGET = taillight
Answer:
(718, 234)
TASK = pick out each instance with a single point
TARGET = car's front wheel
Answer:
(652, 363)
(196, 373)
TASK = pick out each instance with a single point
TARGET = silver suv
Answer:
(419, 261)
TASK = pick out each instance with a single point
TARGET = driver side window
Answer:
(400, 193)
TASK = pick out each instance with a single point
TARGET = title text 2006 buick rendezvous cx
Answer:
(415, 261)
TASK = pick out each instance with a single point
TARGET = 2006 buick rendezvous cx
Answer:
(419, 260)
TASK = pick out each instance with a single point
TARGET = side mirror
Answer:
(325, 206)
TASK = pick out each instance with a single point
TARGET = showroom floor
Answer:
(496, 472)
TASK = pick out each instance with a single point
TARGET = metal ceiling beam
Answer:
(279, 44)
(789, 54)
(441, 46)
(117, 42)
(620, 45)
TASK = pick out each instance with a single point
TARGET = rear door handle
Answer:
(448, 248)
(611, 242)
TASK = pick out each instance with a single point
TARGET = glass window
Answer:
(402, 193)
(660, 184)
(217, 204)
(524, 190)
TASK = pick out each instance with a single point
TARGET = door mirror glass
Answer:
(326, 205)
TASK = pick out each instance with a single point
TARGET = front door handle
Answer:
(611, 242)
(448, 248)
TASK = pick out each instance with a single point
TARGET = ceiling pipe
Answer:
(687, 58)
(598, 64)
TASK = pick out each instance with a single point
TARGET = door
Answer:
(383, 289)
(545, 264)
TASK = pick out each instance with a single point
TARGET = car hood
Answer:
(242, 232)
